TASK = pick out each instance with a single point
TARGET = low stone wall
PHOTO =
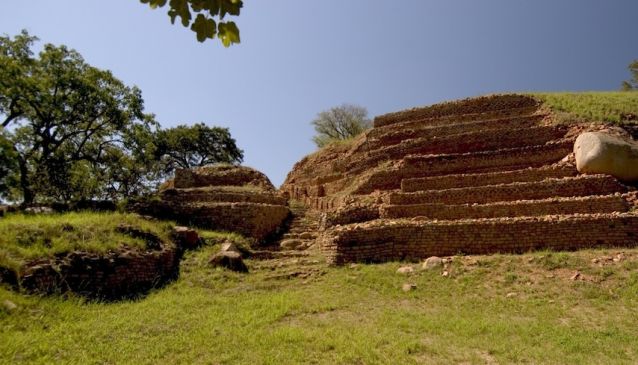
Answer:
(490, 178)
(410, 130)
(114, 275)
(257, 221)
(553, 206)
(385, 240)
(566, 187)
(532, 156)
(438, 165)
(460, 143)
(349, 214)
(220, 176)
(468, 108)
(221, 195)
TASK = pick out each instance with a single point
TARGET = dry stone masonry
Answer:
(477, 176)
(227, 198)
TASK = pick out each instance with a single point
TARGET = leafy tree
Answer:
(633, 83)
(197, 145)
(340, 123)
(64, 119)
(209, 16)
(8, 165)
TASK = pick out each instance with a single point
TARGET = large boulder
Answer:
(602, 153)
(230, 260)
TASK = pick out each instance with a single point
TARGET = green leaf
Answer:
(204, 28)
(228, 33)
(180, 8)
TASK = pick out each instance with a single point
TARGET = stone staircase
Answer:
(295, 254)
(302, 231)
(485, 175)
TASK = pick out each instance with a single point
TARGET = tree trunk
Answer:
(28, 195)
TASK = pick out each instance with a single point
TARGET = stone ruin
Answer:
(477, 176)
(221, 197)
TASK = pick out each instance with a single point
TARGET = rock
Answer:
(602, 153)
(230, 247)
(445, 274)
(185, 237)
(408, 287)
(229, 260)
(510, 295)
(432, 262)
(9, 305)
(405, 270)
(38, 210)
(306, 236)
(291, 244)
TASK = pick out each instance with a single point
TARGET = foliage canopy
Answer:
(633, 83)
(73, 132)
(197, 145)
(340, 123)
(209, 16)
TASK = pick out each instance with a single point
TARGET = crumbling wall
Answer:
(117, 274)
(501, 105)
(551, 206)
(384, 240)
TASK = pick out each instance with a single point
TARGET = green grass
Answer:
(489, 309)
(27, 237)
(610, 106)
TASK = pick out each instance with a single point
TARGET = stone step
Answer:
(253, 220)
(566, 187)
(305, 235)
(416, 166)
(387, 136)
(200, 195)
(476, 108)
(385, 240)
(524, 208)
(490, 178)
(461, 143)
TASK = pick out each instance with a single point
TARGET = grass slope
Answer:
(26, 237)
(604, 106)
(489, 309)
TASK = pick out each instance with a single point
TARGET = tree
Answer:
(197, 145)
(633, 83)
(340, 123)
(64, 119)
(207, 11)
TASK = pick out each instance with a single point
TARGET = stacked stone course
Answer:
(227, 198)
(384, 240)
(482, 175)
(121, 273)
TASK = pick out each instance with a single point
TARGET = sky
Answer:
(300, 57)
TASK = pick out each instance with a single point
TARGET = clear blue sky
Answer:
(298, 57)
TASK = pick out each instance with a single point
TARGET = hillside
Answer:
(536, 262)
(453, 177)
(543, 307)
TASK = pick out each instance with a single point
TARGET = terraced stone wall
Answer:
(471, 180)
(553, 206)
(468, 108)
(438, 165)
(385, 240)
(578, 186)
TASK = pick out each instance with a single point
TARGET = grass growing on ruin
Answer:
(489, 309)
(610, 106)
(26, 237)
